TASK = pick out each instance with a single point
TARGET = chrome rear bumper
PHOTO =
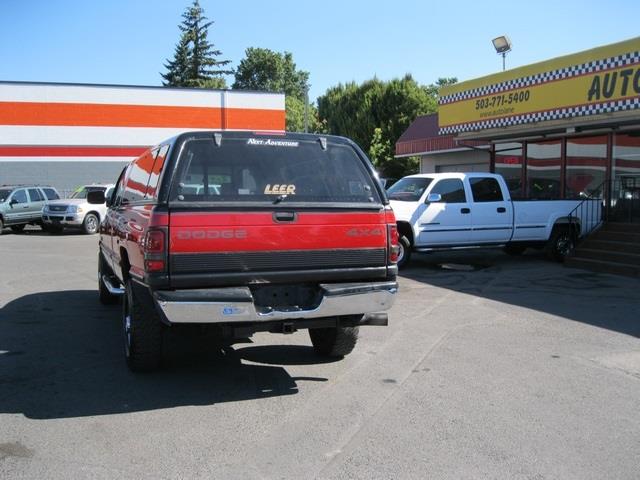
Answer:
(234, 305)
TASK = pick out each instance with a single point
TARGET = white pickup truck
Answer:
(463, 210)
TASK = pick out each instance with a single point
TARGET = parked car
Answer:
(462, 210)
(76, 212)
(288, 232)
(21, 205)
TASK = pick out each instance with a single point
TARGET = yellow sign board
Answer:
(594, 82)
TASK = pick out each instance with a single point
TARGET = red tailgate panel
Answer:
(254, 232)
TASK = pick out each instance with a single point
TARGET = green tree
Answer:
(434, 88)
(265, 70)
(356, 111)
(195, 62)
(177, 68)
(381, 155)
(295, 116)
(380, 149)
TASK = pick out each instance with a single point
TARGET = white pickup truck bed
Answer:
(454, 210)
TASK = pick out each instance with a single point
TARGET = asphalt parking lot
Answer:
(491, 367)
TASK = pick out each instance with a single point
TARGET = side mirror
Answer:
(434, 198)
(96, 197)
(13, 202)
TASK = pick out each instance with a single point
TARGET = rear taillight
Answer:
(155, 252)
(394, 247)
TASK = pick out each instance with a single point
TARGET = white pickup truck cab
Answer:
(463, 210)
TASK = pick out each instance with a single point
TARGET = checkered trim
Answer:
(558, 114)
(566, 72)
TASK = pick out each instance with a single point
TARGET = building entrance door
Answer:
(625, 188)
(625, 199)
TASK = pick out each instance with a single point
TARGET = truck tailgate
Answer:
(207, 244)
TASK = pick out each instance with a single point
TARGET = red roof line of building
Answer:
(422, 137)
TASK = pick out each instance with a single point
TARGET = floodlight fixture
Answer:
(502, 45)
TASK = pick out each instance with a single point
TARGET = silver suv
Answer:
(76, 212)
(21, 205)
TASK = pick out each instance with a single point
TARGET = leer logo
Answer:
(277, 189)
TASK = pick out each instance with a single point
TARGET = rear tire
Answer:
(106, 297)
(334, 341)
(18, 228)
(91, 224)
(1, 226)
(404, 252)
(142, 333)
(561, 244)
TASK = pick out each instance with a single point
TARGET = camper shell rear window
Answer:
(271, 170)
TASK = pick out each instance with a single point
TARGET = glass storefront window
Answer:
(586, 166)
(625, 191)
(509, 165)
(544, 162)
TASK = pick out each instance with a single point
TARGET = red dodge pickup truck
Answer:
(248, 232)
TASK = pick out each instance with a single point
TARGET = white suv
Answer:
(75, 211)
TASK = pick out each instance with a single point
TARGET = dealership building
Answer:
(568, 127)
(67, 135)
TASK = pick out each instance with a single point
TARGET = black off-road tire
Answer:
(561, 244)
(91, 224)
(334, 341)
(514, 250)
(18, 228)
(1, 225)
(106, 297)
(404, 254)
(142, 333)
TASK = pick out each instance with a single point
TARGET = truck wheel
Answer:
(1, 226)
(334, 341)
(18, 228)
(91, 224)
(514, 250)
(404, 252)
(106, 298)
(142, 332)
(560, 245)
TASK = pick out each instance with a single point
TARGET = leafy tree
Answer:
(195, 62)
(265, 70)
(380, 151)
(381, 155)
(356, 111)
(295, 116)
(434, 88)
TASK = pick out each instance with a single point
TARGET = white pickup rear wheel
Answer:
(404, 252)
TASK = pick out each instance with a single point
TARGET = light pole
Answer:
(306, 109)
(503, 46)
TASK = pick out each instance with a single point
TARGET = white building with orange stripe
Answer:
(67, 135)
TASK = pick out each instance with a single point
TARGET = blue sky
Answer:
(127, 41)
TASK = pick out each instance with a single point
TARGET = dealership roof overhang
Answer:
(421, 138)
(593, 91)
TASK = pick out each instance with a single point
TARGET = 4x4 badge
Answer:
(364, 232)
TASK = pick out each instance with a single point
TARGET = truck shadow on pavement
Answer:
(533, 282)
(61, 356)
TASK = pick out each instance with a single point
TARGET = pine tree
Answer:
(177, 68)
(195, 63)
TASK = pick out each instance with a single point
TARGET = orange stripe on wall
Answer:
(106, 115)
